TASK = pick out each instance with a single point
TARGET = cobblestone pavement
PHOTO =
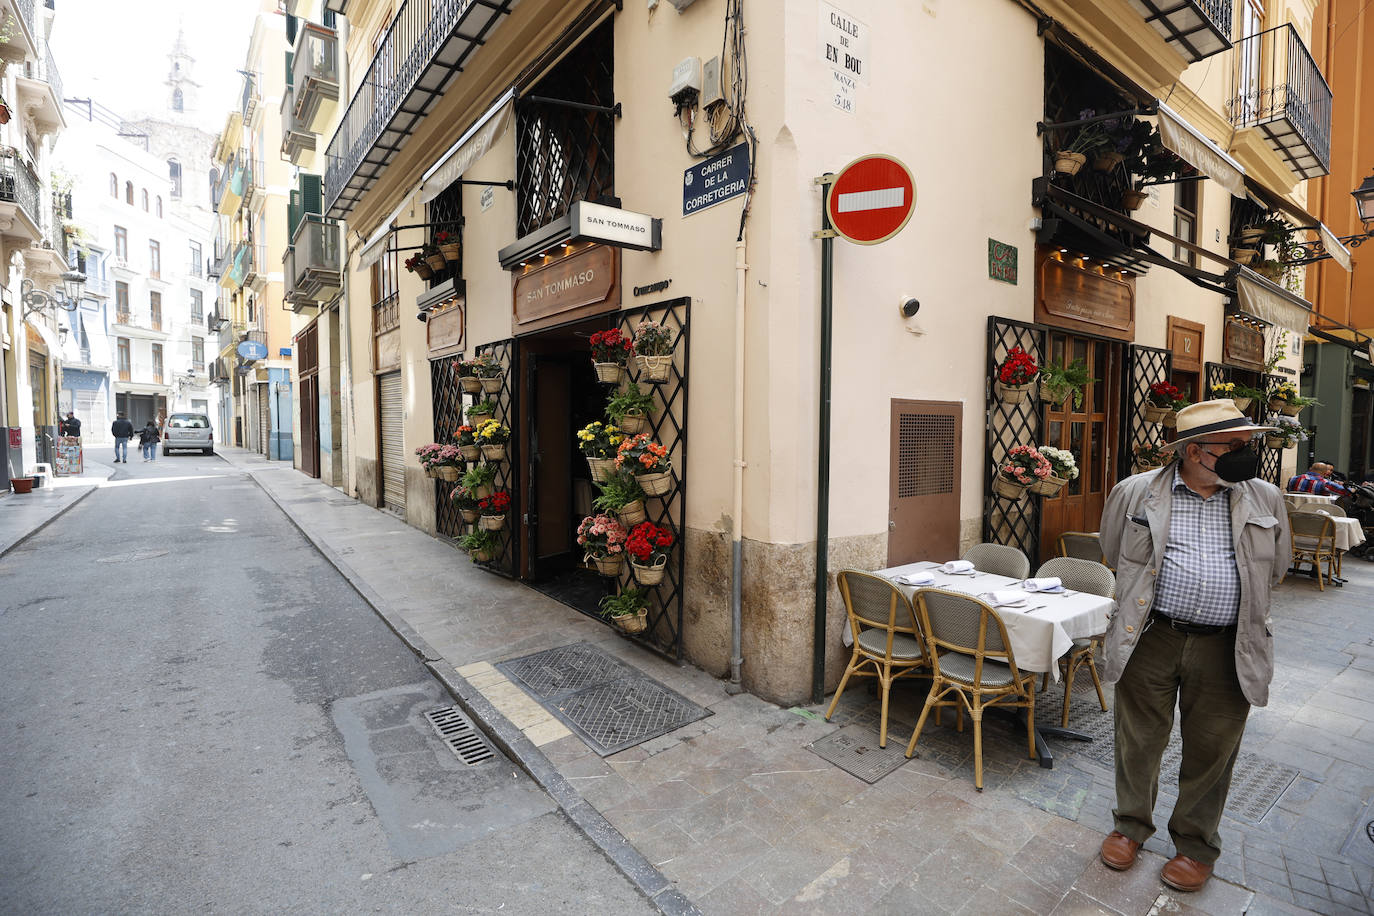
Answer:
(741, 817)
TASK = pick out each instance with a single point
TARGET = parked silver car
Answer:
(188, 430)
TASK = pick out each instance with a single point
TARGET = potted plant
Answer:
(443, 460)
(1282, 397)
(1151, 455)
(466, 438)
(447, 243)
(1270, 269)
(1241, 395)
(479, 480)
(1244, 256)
(1023, 467)
(629, 408)
(1015, 376)
(653, 345)
(466, 502)
(4, 119)
(610, 352)
(492, 436)
(492, 510)
(1133, 198)
(629, 610)
(621, 495)
(467, 376)
(603, 540)
(428, 455)
(1058, 382)
(416, 264)
(1063, 468)
(1288, 432)
(480, 545)
(648, 461)
(648, 546)
(481, 412)
(599, 443)
(433, 257)
(1163, 402)
(489, 373)
(22, 484)
(1070, 156)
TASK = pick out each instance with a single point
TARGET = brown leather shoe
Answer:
(1185, 874)
(1119, 851)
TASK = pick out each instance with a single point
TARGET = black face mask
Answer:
(1236, 467)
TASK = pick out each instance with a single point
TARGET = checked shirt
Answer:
(1198, 580)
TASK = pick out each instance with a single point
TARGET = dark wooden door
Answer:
(923, 486)
(1087, 430)
(549, 495)
(310, 425)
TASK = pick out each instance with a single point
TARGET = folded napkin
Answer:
(1047, 584)
(917, 578)
(1004, 598)
(957, 566)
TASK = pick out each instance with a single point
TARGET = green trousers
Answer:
(1199, 674)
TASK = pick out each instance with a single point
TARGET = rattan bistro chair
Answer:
(1314, 540)
(1096, 579)
(883, 624)
(972, 666)
(1082, 545)
(1332, 510)
(998, 559)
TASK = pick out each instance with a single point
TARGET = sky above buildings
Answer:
(116, 51)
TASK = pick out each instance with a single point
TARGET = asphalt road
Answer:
(200, 715)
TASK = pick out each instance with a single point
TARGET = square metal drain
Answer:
(458, 733)
(609, 704)
(1360, 844)
(855, 750)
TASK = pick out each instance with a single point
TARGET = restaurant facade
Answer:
(601, 166)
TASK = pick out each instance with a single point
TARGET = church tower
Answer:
(182, 88)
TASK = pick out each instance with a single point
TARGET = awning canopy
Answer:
(1271, 201)
(1272, 303)
(471, 146)
(378, 241)
(1201, 153)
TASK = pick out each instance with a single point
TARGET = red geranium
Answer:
(1018, 368)
(497, 503)
(611, 347)
(1163, 394)
(648, 543)
(443, 237)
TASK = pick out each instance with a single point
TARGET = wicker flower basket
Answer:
(1242, 404)
(1012, 394)
(1131, 199)
(436, 262)
(633, 624)
(471, 384)
(608, 566)
(1276, 442)
(448, 472)
(1170, 419)
(1049, 486)
(432, 472)
(1277, 404)
(494, 452)
(631, 514)
(1067, 163)
(608, 373)
(469, 515)
(655, 484)
(470, 452)
(477, 419)
(649, 575)
(633, 423)
(1105, 162)
(1155, 414)
(423, 271)
(1244, 255)
(1008, 489)
(1250, 234)
(1288, 410)
(481, 556)
(654, 368)
(492, 522)
(451, 251)
(481, 492)
(1143, 468)
(491, 385)
(600, 468)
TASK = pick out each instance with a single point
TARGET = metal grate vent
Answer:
(457, 732)
(925, 455)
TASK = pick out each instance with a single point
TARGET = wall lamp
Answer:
(35, 300)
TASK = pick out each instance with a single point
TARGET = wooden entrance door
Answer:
(923, 484)
(1087, 430)
(549, 495)
(310, 425)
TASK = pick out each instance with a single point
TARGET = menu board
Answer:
(68, 458)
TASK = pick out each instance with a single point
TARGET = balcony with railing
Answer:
(315, 76)
(26, 9)
(40, 90)
(297, 143)
(252, 94)
(124, 317)
(230, 334)
(97, 286)
(1194, 28)
(255, 270)
(1281, 93)
(427, 44)
(19, 194)
(234, 183)
(313, 264)
(239, 265)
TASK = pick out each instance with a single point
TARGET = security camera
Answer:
(908, 306)
(423, 316)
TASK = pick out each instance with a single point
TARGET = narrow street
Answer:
(201, 714)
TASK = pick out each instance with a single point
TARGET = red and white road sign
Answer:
(871, 199)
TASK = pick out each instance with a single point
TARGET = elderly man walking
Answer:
(1196, 545)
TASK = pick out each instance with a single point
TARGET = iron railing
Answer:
(19, 186)
(230, 333)
(50, 73)
(97, 286)
(1280, 91)
(314, 261)
(314, 72)
(26, 12)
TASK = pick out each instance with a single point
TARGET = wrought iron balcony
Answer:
(239, 266)
(1281, 93)
(427, 45)
(313, 263)
(254, 179)
(18, 186)
(1194, 28)
(315, 76)
(54, 79)
(230, 333)
(255, 268)
(252, 94)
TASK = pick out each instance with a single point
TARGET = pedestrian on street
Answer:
(123, 431)
(1196, 546)
(148, 438)
(70, 426)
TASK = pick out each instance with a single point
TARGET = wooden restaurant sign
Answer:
(1243, 346)
(1082, 299)
(566, 288)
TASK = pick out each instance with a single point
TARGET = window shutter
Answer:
(290, 61)
(312, 195)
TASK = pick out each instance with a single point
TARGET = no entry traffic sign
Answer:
(871, 199)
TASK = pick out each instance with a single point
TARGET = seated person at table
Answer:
(1317, 481)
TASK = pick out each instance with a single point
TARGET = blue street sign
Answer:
(715, 180)
(252, 350)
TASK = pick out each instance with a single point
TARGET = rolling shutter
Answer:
(393, 441)
(264, 420)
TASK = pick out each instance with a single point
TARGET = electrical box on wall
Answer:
(710, 83)
(686, 79)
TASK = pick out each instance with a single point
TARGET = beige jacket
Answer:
(1135, 524)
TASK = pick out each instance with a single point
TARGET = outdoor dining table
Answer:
(1297, 499)
(1040, 631)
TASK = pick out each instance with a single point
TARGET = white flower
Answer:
(1062, 460)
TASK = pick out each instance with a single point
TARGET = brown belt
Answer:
(1192, 629)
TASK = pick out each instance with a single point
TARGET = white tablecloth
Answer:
(1349, 533)
(1297, 499)
(1038, 637)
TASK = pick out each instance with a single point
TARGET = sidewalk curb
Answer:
(612, 843)
(52, 518)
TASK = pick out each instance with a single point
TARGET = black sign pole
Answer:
(827, 237)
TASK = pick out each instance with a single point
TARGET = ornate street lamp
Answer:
(1364, 201)
(35, 300)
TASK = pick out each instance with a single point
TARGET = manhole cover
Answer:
(855, 750)
(133, 557)
(1360, 844)
(458, 734)
(566, 668)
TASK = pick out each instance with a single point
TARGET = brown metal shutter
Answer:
(923, 492)
(264, 418)
(391, 403)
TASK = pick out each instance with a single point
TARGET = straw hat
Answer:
(1209, 418)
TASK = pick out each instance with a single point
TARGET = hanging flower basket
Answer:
(650, 575)
(495, 452)
(632, 623)
(477, 419)
(1048, 486)
(1007, 488)
(491, 385)
(1133, 199)
(469, 452)
(608, 373)
(1170, 419)
(1289, 410)
(492, 522)
(608, 566)
(1105, 162)
(1250, 234)
(1244, 255)
(450, 250)
(600, 468)
(1242, 404)
(481, 556)
(436, 261)
(654, 368)
(1013, 394)
(634, 423)
(631, 513)
(1142, 468)
(1068, 163)
(655, 484)
(422, 270)
(4, 113)
(471, 383)
(469, 515)
(1276, 442)
(448, 472)
(432, 472)
(1166, 415)
(482, 491)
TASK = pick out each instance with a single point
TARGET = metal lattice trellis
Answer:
(1271, 459)
(448, 416)
(1146, 366)
(668, 425)
(1015, 522)
(506, 354)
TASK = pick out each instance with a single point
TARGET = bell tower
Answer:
(182, 89)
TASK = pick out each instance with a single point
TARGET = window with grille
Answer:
(197, 306)
(566, 154)
(446, 215)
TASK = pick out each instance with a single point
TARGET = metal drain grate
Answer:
(458, 733)
(1359, 845)
(855, 750)
(566, 668)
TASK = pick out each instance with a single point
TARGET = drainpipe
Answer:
(737, 497)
